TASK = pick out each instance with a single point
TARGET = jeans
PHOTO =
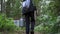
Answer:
(29, 19)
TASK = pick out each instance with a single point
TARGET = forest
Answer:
(47, 16)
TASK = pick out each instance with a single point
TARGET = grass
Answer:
(18, 30)
(0, 32)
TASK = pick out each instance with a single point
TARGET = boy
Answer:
(28, 12)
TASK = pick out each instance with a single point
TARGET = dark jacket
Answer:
(31, 8)
(28, 10)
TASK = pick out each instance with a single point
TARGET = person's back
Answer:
(28, 6)
(25, 6)
(28, 12)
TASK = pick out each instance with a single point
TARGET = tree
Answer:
(2, 5)
(13, 8)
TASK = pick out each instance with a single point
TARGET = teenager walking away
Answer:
(28, 10)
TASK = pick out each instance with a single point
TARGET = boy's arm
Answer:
(36, 11)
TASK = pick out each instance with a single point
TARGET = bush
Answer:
(6, 24)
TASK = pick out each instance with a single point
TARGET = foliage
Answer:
(13, 8)
(48, 19)
(6, 23)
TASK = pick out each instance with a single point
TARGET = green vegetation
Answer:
(47, 18)
(13, 8)
(6, 23)
(7, 26)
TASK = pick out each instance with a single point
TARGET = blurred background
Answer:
(47, 17)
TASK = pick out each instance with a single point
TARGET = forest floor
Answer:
(20, 32)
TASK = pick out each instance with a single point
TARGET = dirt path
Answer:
(20, 32)
(23, 32)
